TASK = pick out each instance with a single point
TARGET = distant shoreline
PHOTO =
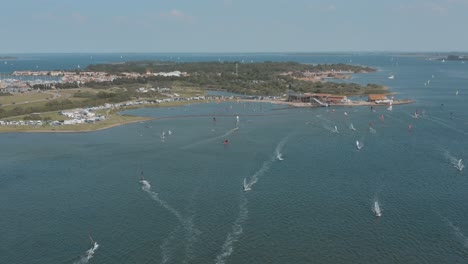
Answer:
(135, 119)
(8, 58)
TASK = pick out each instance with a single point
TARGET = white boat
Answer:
(169, 132)
(163, 136)
(246, 187)
(377, 210)
(443, 60)
(359, 145)
(279, 156)
(456, 93)
(352, 127)
(459, 165)
(335, 130)
(391, 77)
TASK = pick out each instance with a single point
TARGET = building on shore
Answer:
(379, 99)
(320, 99)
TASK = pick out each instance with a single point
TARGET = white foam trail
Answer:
(324, 119)
(280, 147)
(191, 232)
(146, 186)
(266, 164)
(236, 232)
(265, 167)
(88, 254)
(458, 233)
(211, 139)
(165, 247)
(445, 125)
(457, 163)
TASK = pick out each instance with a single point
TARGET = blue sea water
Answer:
(314, 206)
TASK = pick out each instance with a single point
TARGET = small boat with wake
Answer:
(459, 165)
(359, 145)
(246, 187)
(376, 209)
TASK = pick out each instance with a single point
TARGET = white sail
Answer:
(359, 145)
(246, 187)
(377, 210)
(459, 165)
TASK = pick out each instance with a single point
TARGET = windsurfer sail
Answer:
(376, 209)
(459, 165)
(359, 145)
(246, 187)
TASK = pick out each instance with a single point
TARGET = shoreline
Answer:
(309, 105)
(136, 119)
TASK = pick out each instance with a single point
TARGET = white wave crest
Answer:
(88, 254)
(458, 233)
(191, 233)
(236, 232)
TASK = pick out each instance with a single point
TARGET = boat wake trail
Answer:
(191, 233)
(457, 163)
(266, 165)
(279, 148)
(210, 139)
(88, 254)
(166, 250)
(236, 232)
(440, 122)
(458, 233)
(146, 186)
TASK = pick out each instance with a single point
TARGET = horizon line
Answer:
(233, 52)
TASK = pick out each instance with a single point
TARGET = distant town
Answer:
(60, 98)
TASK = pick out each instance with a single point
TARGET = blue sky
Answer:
(232, 25)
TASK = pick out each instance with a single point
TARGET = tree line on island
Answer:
(264, 79)
(261, 78)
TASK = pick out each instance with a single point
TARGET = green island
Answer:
(151, 89)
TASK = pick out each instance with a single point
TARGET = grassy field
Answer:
(23, 98)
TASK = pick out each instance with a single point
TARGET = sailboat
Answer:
(459, 165)
(443, 60)
(335, 130)
(246, 187)
(352, 127)
(163, 136)
(376, 209)
(359, 145)
(456, 93)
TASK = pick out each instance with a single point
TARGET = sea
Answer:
(171, 190)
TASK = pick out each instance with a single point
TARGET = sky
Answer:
(58, 26)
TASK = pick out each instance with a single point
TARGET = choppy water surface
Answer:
(311, 194)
